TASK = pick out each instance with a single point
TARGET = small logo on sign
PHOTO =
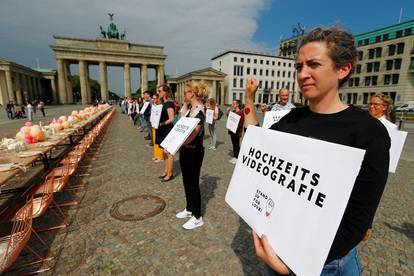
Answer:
(269, 207)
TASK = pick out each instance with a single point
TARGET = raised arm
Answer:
(250, 117)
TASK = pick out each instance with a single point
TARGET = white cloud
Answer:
(192, 31)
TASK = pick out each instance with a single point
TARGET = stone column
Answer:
(69, 87)
(54, 92)
(214, 90)
(61, 81)
(19, 94)
(83, 78)
(104, 81)
(127, 80)
(144, 78)
(9, 83)
(222, 100)
(160, 75)
(88, 84)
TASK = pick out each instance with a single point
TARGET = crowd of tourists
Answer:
(325, 60)
(22, 111)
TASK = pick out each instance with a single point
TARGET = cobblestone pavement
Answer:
(96, 243)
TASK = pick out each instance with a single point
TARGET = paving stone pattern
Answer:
(98, 244)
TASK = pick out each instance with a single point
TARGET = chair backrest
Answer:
(19, 236)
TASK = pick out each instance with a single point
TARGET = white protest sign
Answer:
(295, 190)
(272, 117)
(180, 132)
(397, 144)
(155, 115)
(209, 116)
(232, 122)
(144, 107)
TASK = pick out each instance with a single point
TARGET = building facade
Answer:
(213, 79)
(385, 65)
(20, 84)
(272, 72)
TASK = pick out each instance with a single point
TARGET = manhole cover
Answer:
(138, 207)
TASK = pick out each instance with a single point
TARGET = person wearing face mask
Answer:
(324, 62)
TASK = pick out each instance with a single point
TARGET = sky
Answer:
(192, 31)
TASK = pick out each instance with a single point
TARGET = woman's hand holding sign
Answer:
(266, 253)
(249, 111)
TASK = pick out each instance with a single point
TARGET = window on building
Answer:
(399, 33)
(266, 84)
(400, 48)
(271, 98)
(260, 98)
(241, 97)
(273, 63)
(277, 85)
(255, 61)
(366, 41)
(273, 73)
(220, 62)
(391, 50)
(350, 82)
(267, 72)
(261, 72)
(234, 82)
(267, 62)
(293, 86)
(369, 67)
(272, 85)
(284, 64)
(241, 70)
(288, 85)
(395, 78)
(294, 74)
(248, 71)
(242, 60)
(408, 31)
(248, 60)
(371, 53)
(359, 43)
(235, 70)
(241, 83)
(356, 81)
(234, 96)
(387, 79)
(392, 96)
(374, 80)
(365, 98)
(384, 37)
(254, 71)
(377, 39)
(278, 73)
(388, 64)
(378, 52)
(412, 63)
(283, 74)
(260, 84)
(278, 63)
(360, 55)
(358, 68)
(283, 84)
(376, 66)
(397, 63)
(367, 81)
(235, 59)
(261, 61)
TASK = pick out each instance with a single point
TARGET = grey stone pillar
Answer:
(144, 78)
(19, 94)
(54, 92)
(69, 87)
(222, 100)
(127, 80)
(84, 82)
(88, 84)
(39, 89)
(9, 83)
(213, 93)
(104, 81)
(160, 75)
(61, 81)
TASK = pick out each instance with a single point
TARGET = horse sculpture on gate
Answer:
(112, 30)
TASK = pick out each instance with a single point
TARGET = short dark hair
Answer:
(340, 43)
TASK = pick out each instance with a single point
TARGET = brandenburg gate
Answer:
(104, 52)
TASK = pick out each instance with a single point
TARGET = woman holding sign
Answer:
(192, 154)
(324, 62)
(166, 124)
(236, 136)
(212, 105)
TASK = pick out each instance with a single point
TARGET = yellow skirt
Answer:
(158, 152)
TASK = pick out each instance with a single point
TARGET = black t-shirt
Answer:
(198, 140)
(164, 112)
(356, 128)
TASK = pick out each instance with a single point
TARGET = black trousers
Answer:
(191, 160)
(235, 140)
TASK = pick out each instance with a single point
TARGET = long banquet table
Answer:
(15, 184)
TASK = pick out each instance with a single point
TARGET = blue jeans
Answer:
(348, 265)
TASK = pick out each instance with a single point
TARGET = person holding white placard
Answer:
(324, 62)
(212, 105)
(379, 108)
(236, 107)
(165, 126)
(192, 154)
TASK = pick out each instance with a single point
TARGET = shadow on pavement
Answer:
(208, 185)
(406, 228)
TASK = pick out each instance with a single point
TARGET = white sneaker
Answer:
(193, 223)
(233, 160)
(184, 214)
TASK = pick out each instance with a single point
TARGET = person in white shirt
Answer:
(283, 103)
(379, 107)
